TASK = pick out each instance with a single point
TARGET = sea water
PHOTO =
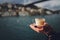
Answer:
(17, 28)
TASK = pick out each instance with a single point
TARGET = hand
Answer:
(35, 28)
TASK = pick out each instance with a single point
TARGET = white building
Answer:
(9, 5)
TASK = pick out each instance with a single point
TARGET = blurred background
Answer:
(17, 15)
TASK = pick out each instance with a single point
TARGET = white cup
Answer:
(39, 21)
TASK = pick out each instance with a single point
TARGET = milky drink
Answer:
(39, 21)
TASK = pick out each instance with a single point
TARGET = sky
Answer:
(18, 1)
(30, 1)
(52, 5)
(12, 1)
